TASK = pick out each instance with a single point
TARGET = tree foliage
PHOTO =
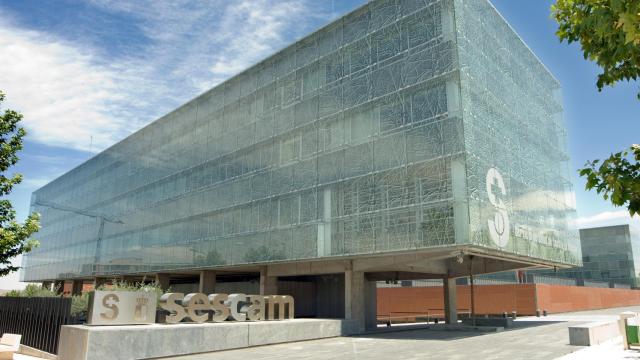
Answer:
(609, 33)
(617, 178)
(33, 290)
(14, 237)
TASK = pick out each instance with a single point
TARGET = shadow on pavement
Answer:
(411, 332)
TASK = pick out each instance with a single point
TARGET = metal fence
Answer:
(551, 280)
(410, 283)
(503, 280)
(596, 284)
(621, 286)
(480, 281)
(38, 320)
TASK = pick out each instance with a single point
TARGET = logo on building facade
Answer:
(499, 224)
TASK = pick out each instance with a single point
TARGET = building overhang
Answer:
(436, 262)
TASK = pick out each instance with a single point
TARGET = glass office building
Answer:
(611, 254)
(402, 127)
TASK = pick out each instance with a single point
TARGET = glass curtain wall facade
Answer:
(610, 253)
(377, 133)
(513, 122)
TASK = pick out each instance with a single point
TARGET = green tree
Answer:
(608, 32)
(617, 178)
(15, 238)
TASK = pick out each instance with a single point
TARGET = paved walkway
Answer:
(608, 352)
(531, 339)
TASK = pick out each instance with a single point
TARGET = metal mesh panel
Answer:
(354, 140)
(517, 162)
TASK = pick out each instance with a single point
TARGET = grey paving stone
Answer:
(529, 339)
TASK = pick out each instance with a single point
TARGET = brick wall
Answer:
(495, 299)
(557, 298)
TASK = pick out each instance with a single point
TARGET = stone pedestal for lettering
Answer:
(80, 342)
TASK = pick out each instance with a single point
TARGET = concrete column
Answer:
(164, 281)
(268, 284)
(371, 305)
(355, 299)
(450, 300)
(207, 284)
(76, 287)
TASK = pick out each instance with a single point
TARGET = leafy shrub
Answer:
(79, 304)
(33, 290)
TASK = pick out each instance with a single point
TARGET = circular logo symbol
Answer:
(499, 225)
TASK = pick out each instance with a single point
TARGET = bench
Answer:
(9, 344)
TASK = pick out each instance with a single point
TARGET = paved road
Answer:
(531, 339)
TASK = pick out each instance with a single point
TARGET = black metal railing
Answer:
(38, 320)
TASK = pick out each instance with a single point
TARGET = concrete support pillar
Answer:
(164, 281)
(450, 301)
(207, 284)
(268, 284)
(76, 287)
(371, 305)
(359, 300)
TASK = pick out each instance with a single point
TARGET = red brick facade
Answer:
(495, 299)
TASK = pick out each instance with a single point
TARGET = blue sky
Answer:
(88, 73)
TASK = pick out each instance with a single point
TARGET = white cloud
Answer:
(62, 94)
(263, 26)
(608, 218)
(200, 44)
(75, 96)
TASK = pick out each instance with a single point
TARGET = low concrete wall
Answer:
(594, 333)
(79, 342)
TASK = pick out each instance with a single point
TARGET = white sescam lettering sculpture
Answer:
(238, 307)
